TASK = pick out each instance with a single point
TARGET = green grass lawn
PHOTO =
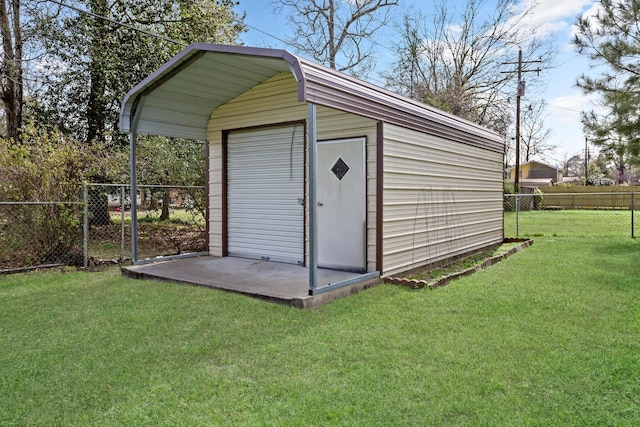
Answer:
(550, 336)
(176, 216)
(571, 223)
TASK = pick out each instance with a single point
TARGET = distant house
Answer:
(536, 174)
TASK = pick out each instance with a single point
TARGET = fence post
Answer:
(122, 206)
(633, 229)
(85, 224)
(517, 212)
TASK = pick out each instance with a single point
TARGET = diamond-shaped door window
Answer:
(340, 169)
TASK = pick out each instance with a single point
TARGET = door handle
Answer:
(320, 204)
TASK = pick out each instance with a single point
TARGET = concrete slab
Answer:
(273, 281)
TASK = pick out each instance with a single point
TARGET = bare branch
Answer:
(455, 63)
(335, 32)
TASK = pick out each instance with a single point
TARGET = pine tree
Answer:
(611, 40)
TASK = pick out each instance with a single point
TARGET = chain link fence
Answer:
(571, 214)
(171, 221)
(96, 229)
(40, 234)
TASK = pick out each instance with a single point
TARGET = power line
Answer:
(291, 45)
(267, 34)
(158, 36)
(279, 39)
(564, 108)
(115, 22)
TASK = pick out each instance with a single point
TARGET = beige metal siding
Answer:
(275, 101)
(441, 199)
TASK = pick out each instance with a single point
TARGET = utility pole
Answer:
(586, 160)
(519, 94)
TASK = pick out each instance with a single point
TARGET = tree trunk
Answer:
(164, 216)
(97, 108)
(11, 91)
(332, 35)
(98, 207)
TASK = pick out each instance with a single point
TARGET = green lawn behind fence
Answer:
(571, 223)
(548, 337)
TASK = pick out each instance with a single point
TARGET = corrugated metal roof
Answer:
(177, 100)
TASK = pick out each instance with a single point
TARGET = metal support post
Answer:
(122, 209)
(313, 200)
(517, 212)
(519, 94)
(85, 224)
(136, 110)
(134, 198)
(633, 208)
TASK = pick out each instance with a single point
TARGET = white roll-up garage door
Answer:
(265, 193)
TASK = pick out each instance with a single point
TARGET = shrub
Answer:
(537, 199)
(45, 167)
(599, 179)
(508, 187)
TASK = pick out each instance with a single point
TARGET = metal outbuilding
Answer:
(309, 166)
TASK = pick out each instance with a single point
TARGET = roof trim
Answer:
(316, 84)
(332, 89)
(186, 58)
(536, 162)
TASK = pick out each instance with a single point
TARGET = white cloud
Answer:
(552, 16)
(564, 120)
(595, 8)
(576, 102)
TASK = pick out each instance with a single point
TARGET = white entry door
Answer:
(342, 204)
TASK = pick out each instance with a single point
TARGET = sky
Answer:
(268, 28)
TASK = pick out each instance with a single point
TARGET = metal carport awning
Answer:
(181, 95)
(179, 98)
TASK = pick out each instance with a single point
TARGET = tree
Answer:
(534, 135)
(573, 166)
(11, 84)
(611, 39)
(616, 155)
(615, 133)
(170, 162)
(91, 62)
(599, 172)
(47, 166)
(337, 33)
(92, 59)
(98, 32)
(455, 62)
